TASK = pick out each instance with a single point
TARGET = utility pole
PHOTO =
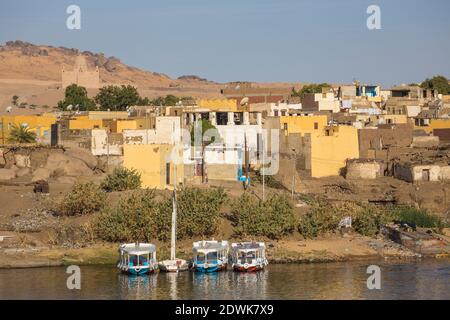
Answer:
(262, 170)
(293, 173)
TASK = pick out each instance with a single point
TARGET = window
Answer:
(316, 126)
(275, 113)
(285, 126)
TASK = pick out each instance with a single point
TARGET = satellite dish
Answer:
(77, 106)
(8, 109)
(69, 107)
(244, 101)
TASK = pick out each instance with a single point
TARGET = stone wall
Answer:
(425, 142)
(378, 138)
(364, 169)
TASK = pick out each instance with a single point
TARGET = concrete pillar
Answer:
(259, 119)
(212, 118)
(230, 119)
(191, 118)
(246, 118)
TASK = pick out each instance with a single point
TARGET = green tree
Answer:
(76, 96)
(439, 83)
(21, 134)
(117, 98)
(310, 88)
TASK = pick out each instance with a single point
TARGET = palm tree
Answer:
(21, 134)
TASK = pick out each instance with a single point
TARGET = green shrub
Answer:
(320, 218)
(419, 217)
(132, 220)
(272, 218)
(198, 211)
(140, 217)
(122, 179)
(368, 220)
(84, 198)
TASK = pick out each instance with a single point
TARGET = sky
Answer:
(249, 40)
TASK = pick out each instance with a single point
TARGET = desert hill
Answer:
(33, 72)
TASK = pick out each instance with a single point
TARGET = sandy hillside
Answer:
(33, 72)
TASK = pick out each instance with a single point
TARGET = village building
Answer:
(38, 124)
(374, 142)
(246, 91)
(81, 75)
(364, 169)
(326, 101)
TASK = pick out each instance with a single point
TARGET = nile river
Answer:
(426, 279)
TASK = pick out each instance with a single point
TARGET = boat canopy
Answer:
(248, 246)
(210, 246)
(138, 248)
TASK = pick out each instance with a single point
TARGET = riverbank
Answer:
(334, 249)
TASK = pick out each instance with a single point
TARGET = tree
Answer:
(310, 88)
(14, 100)
(21, 134)
(169, 100)
(76, 96)
(439, 83)
(117, 98)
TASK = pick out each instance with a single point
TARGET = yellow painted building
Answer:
(331, 148)
(434, 124)
(132, 124)
(303, 124)
(39, 124)
(152, 162)
(394, 118)
(84, 123)
(107, 115)
(219, 105)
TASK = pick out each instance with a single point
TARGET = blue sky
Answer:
(253, 40)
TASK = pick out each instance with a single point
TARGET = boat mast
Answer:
(174, 226)
(173, 238)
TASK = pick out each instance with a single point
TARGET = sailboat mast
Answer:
(174, 227)
(173, 237)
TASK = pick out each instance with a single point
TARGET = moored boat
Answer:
(210, 256)
(248, 256)
(137, 258)
(174, 265)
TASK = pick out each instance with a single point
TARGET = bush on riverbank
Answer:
(140, 216)
(368, 220)
(84, 198)
(122, 179)
(133, 219)
(419, 217)
(320, 218)
(198, 211)
(273, 218)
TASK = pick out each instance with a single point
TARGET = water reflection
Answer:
(137, 287)
(428, 279)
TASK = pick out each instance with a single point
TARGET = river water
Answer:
(426, 279)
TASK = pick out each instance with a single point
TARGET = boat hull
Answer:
(138, 272)
(252, 268)
(174, 265)
(210, 268)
